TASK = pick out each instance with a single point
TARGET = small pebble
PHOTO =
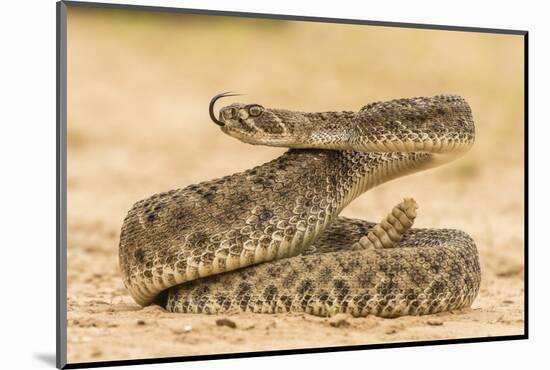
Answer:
(434, 323)
(185, 329)
(339, 321)
(226, 322)
(340, 324)
(141, 322)
(153, 309)
(271, 325)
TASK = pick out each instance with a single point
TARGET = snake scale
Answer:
(270, 239)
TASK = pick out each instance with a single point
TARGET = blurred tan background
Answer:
(139, 84)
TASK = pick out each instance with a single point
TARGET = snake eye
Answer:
(255, 110)
(229, 113)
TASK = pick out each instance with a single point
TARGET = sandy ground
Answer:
(139, 87)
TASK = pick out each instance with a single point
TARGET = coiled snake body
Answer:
(270, 239)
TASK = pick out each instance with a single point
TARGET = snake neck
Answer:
(359, 171)
(342, 176)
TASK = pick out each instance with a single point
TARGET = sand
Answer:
(139, 87)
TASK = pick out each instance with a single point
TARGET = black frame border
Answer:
(61, 185)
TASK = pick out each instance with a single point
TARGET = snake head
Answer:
(255, 124)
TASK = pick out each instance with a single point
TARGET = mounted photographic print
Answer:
(230, 183)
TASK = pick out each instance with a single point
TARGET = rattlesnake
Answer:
(270, 240)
